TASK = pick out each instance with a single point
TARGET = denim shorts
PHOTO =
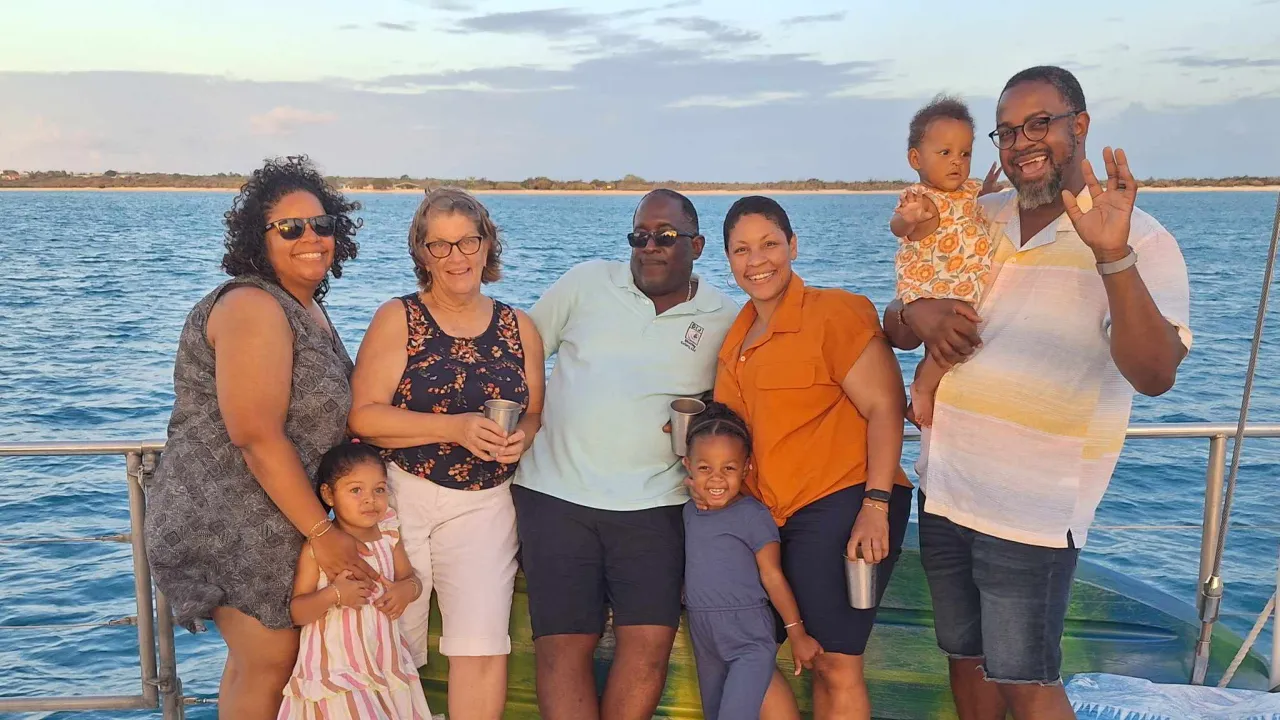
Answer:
(997, 600)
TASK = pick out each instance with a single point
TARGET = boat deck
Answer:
(1115, 624)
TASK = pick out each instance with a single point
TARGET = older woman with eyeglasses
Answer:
(426, 367)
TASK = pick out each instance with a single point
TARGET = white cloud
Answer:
(39, 143)
(285, 120)
(740, 101)
(411, 88)
(147, 122)
(40, 131)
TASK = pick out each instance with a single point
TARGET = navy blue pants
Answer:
(736, 656)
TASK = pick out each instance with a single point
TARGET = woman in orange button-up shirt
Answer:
(811, 372)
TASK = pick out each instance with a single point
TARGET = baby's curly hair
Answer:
(942, 107)
(246, 240)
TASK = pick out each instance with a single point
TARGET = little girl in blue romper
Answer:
(733, 571)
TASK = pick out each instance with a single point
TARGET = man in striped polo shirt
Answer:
(1089, 303)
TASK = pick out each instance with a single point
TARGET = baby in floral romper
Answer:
(944, 249)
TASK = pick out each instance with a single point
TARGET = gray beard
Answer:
(1032, 195)
(1042, 192)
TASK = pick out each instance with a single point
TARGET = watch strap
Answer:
(878, 495)
(1120, 265)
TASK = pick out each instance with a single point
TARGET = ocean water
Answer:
(94, 289)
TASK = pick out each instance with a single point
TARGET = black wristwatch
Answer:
(878, 495)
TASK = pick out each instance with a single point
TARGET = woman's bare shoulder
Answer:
(245, 298)
(392, 309)
(389, 325)
(523, 319)
(246, 308)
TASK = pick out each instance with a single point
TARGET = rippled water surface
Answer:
(94, 289)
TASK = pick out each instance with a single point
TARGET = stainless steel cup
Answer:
(504, 412)
(860, 577)
(683, 410)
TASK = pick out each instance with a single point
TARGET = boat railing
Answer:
(160, 687)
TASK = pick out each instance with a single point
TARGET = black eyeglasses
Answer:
(441, 249)
(292, 228)
(1034, 130)
(663, 239)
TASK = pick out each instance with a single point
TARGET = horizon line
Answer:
(19, 179)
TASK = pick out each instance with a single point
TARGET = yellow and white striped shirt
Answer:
(1026, 433)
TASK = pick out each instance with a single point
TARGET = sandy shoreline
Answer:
(1244, 188)
(476, 192)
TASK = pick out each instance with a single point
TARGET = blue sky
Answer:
(683, 89)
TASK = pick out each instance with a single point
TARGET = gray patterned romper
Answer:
(214, 537)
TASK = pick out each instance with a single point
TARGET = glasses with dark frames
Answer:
(662, 238)
(1035, 130)
(441, 249)
(292, 228)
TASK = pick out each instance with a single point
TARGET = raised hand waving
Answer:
(990, 183)
(1105, 227)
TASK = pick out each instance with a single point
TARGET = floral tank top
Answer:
(445, 374)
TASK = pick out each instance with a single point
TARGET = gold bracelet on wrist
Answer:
(876, 505)
(337, 595)
(791, 625)
(326, 529)
(312, 532)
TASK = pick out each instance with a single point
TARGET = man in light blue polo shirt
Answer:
(598, 496)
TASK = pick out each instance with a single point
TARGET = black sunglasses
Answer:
(663, 239)
(1035, 130)
(292, 228)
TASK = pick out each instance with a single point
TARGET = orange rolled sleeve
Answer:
(849, 324)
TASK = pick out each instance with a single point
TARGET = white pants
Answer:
(462, 544)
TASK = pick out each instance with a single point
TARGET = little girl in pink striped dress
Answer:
(353, 663)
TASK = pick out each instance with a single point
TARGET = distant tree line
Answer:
(115, 179)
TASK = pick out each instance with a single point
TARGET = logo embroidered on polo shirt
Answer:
(692, 336)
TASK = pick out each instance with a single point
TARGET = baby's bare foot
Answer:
(922, 406)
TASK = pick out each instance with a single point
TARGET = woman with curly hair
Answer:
(429, 362)
(261, 384)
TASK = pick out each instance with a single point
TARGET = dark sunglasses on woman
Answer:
(663, 239)
(292, 228)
